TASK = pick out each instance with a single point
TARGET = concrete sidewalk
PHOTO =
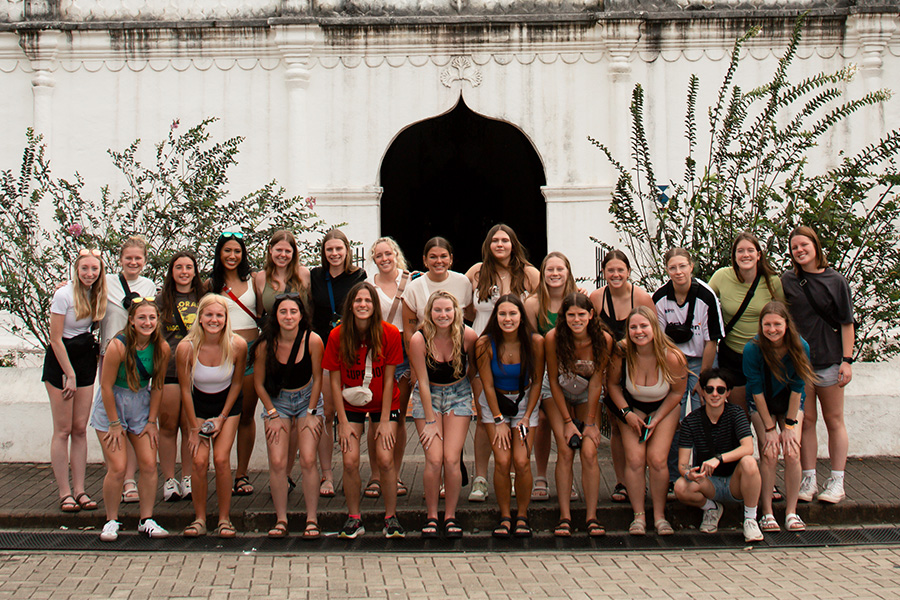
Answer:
(28, 499)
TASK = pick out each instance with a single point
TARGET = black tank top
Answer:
(616, 325)
(294, 376)
(442, 372)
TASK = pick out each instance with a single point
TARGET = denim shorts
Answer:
(546, 394)
(828, 376)
(133, 409)
(403, 369)
(487, 417)
(248, 370)
(294, 404)
(453, 398)
(722, 485)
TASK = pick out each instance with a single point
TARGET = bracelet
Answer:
(566, 422)
(116, 423)
(772, 428)
(786, 426)
(431, 422)
(223, 416)
(272, 411)
(590, 424)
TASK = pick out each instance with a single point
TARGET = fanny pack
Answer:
(574, 385)
(360, 395)
(681, 333)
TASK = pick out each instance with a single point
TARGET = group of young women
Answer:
(332, 345)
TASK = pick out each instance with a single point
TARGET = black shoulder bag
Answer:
(681, 333)
(129, 295)
(829, 320)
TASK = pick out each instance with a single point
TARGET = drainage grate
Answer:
(131, 542)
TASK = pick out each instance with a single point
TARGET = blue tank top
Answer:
(506, 377)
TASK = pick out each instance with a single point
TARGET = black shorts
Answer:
(733, 362)
(207, 406)
(360, 417)
(82, 353)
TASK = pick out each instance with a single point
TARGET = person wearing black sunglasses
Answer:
(723, 467)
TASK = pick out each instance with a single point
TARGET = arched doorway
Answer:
(456, 175)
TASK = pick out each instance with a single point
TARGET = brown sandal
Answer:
(195, 529)
(226, 530)
(279, 531)
(312, 531)
(85, 502)
(68, 504)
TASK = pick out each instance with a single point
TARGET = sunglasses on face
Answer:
(718, 389)
(233, 234)
(89, 252)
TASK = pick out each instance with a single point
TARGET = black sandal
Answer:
(430, 531)
(619, 494)
(594, 528)
(452, 528)
(523, 529)
(503, 529)
(242, 486)
(563, 528)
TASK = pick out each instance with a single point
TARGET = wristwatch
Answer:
(790, 422)
(847, 359)
(498, 420)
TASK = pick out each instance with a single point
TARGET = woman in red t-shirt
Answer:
(363, 335)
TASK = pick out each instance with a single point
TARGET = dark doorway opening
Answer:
(457, 175)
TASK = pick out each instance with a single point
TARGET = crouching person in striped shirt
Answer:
(723, 467)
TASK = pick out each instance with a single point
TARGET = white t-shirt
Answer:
(116, 316)
(419, 291)
(64, 304)
(386, 301)
(707, 322)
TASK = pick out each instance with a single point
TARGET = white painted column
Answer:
(574, 214)
(874, 31)
(296, 44)
(621, 36)
(359, 208)
(41, 49)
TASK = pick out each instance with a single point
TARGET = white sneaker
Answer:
(808, 488)
(110, 531)
(186, 487)
(152, 529)
(833, 492)
(711, 518)
(752, 532)
(479, 491)
(171, 490)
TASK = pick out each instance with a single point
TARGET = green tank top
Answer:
(268, 297)
(551, 323)
(146, 358)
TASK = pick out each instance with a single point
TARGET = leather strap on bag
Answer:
(747, 298)
(404, 278)
(239, 303)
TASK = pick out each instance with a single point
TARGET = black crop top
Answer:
(442, 372)
(292, 377)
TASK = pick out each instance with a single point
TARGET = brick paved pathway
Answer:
(863, 572)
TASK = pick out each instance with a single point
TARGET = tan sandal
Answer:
(226, 530)
(663, 527)
(195, 529)
(638, 526)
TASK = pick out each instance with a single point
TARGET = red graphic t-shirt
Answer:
(352, 375)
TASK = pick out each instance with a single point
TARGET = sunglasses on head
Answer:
(144, 299)
(287, 296)
(89, 252)
(233, 234)
(718, 389)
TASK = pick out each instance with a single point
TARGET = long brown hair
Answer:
(489, 275)
(543, 292)
(350, 338)
(791, 342)
(763, 267)
(293, 282)
(565, 339)
(337, 234)
(132, 375)
(166, 296)
(429, 331)
(808, 232)
(662, 345)
(492, 331)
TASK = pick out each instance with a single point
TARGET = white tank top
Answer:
(239, 317)
(483, 309)
(648, 393)
(211, 380)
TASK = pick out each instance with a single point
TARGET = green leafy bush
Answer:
(755, 174)
(179, 201)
